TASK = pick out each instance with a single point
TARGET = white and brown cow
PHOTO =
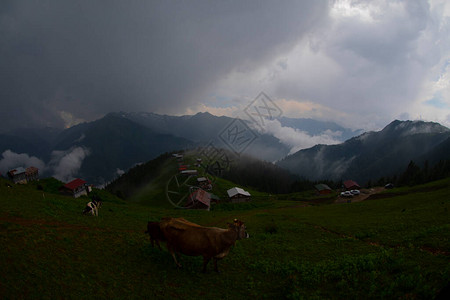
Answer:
(92, 207)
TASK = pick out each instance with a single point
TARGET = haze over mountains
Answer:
(373, 154)
(102, 150)
(274, 141)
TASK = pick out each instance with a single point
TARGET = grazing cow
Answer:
(155, 233)
(92, 207)
(192, 239)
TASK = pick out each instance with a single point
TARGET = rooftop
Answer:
(74, 183)
(236, 190)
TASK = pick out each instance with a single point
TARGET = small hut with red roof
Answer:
(199, 199)
(75, 188)
(351, 185)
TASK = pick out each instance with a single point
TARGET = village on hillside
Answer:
(199, 195)
(194, 182)
(75, 188)
(201, 183)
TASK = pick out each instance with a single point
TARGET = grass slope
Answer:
(395, 246)
(169, 188)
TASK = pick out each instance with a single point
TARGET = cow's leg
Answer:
(215, 265)
(205, 263)
(157, 243)
(175, 259)
(174, 256)
(153, 242)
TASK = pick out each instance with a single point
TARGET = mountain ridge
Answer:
(370, 155)
(118, 143)
(101, 149)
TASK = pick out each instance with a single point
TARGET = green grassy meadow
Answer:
(393, 246)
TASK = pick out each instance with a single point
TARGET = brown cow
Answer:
(155, 233)
(192, 239)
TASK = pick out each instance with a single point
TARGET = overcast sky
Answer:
(359, 63)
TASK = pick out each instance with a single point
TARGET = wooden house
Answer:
(75, 188)
(238, 195)
(351, 185)
(204, 183)
(32, 174)
(214, 198)
(23, 176)
(323, 189)
(179, 157)
(199, 199)
(18, 175)
(189, 172)
(199, 162)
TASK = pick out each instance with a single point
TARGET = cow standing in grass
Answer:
(92, 207)
(192, 239)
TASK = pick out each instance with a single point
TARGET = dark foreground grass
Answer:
(391, 248)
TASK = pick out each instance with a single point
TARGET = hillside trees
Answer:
(261, 175)
(267, 177)
(415, 174)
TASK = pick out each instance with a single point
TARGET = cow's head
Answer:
(240, 228)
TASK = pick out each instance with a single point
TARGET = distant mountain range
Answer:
(114, 144)
(101, 150)
(206, 128)
(373, 154)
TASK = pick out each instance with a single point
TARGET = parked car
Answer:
(389, 186)
(355, 192)
(346, 194)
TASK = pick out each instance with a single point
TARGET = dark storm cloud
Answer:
(87, 58)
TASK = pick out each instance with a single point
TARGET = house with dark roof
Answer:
(351, 185)
(32, 174)
(22, 175)
(189, 172)
(323, 189)
(204, 183)
(75, 188)
(199, 199)
(18, 175)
